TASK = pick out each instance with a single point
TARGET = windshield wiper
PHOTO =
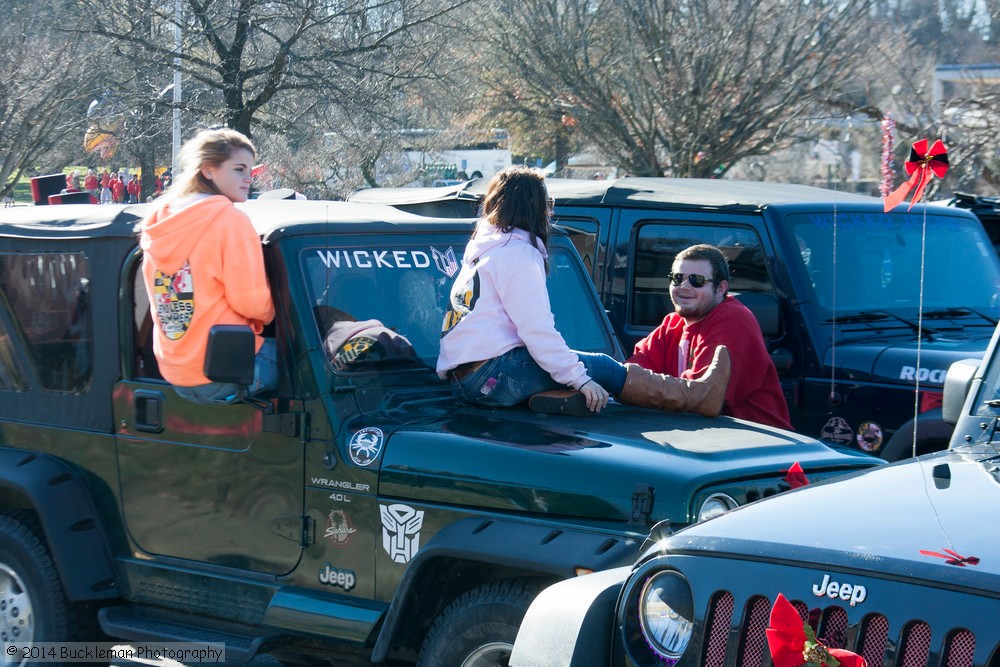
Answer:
(945, 313)
(877, 316)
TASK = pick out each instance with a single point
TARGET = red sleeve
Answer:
(658, 350)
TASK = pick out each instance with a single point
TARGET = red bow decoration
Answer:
(919, 167)
(793, 643)
(952, 558)
(796, 476)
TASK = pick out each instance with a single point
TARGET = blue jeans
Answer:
(514, 376)
(265, 378)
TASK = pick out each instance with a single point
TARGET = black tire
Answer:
(478, 628)
(32, 605)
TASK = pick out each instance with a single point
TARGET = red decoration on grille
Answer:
(793, 643)
(922, 164)
(796, 476)
(952, 558)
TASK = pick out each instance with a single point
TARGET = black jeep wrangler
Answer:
(837, 286)
(916, 584)
(358, 513)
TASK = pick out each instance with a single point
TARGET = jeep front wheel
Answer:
(32, 606)
(478, 628)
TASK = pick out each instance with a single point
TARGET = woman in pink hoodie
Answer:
(190, 287)
(499, 344)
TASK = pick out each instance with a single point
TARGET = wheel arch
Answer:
(69, 519)
(475, 551)
(933, 434)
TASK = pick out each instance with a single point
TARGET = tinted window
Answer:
(583, 234)
(879, 258)
(11, 376)
(658, 244)
(49, 299)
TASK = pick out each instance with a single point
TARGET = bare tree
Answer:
(243, 59)
(680, 87)
(42, 94)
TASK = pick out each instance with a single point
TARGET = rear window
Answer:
(47, 298)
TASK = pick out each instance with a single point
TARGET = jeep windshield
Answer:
(874, 279)
(383, 306)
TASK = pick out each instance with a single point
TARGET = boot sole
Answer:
(573, 404)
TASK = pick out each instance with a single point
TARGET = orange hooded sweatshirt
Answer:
(203, 265)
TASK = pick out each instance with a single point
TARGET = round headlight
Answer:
(666, 615)
(715, 505)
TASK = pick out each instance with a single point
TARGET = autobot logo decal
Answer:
(445, 261)
(365, 446)
(833, 590)
(173, 296)
(331, 576)
(339, 529)
(401, 531)
(869, 436)
(837, 430)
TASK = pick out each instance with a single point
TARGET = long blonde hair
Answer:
(207, 148)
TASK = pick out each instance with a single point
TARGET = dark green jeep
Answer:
(358, 513)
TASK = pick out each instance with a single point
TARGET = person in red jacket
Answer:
(90, 183)
(117, 188)
(203, 265)
(704, 317)
(133, 188)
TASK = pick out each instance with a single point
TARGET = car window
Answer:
(49, 301)
(388, 304)
(583, 235)
(879, 258)
(656, 246)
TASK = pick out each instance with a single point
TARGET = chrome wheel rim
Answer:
(17, 623)
(488, 655)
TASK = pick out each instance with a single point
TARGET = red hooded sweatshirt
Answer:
(203, 265)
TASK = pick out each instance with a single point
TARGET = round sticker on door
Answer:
(366, 445)
(837, 430)
(870, 436)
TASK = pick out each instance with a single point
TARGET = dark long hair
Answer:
(516, 198)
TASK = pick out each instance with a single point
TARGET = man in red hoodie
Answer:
(704, 317)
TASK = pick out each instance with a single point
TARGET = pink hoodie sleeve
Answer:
(247, 291)
(522, 291)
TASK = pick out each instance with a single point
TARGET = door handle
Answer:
(148, 409)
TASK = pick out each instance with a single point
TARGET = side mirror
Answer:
(230, 354)
(957, 384)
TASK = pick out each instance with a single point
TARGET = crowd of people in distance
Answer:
(115, 187)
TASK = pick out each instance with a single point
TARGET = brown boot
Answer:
(654, 390)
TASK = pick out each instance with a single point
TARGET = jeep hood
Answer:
(896, 363)
(516, 461)
(925, 506)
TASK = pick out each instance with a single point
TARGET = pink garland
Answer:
(888, 145)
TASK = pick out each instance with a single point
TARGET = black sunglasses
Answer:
(694, 279)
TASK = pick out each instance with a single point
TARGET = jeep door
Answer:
(204, 483)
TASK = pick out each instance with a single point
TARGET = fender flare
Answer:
(931, 427)
(69, 519)
(570, 623)
(526, 546)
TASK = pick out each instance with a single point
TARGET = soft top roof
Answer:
(271, 218)
(634, 191)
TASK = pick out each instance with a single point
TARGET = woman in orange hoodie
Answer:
(203, 265)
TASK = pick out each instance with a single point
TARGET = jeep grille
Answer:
(870, 638)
